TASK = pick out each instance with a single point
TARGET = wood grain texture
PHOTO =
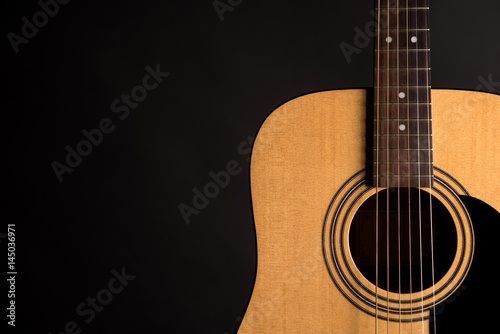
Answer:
(305, 150)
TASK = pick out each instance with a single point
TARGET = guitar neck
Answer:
(402, 154)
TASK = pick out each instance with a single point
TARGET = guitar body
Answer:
(308, 160)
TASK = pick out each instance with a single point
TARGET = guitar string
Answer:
(427, 46)
(419, 181)
(388, 178)
(408, 154)
(399, 168)
(377, 169)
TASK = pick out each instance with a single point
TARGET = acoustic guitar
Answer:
(371, 216)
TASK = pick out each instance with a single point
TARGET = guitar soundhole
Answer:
(407, 245)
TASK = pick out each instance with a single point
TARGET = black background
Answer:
(119, 207)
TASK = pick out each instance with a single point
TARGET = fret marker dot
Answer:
(402, 127)
(388, 39)
(414, 39)
(402, 95)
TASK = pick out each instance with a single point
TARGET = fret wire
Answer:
(402, 103)
(406, 68)
(403, 163)
(409, 134)
(400, 3)
(403, 29)
(394, 174)
(398, 8)
(402, 86)
(405, 9)
(406, 175)
(423, 119)
(404, 50)
(403, 149)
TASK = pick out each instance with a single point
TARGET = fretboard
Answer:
(402, 155)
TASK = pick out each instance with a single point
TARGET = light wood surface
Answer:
(304, 152)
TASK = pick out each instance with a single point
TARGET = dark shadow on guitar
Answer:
(470, 308)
